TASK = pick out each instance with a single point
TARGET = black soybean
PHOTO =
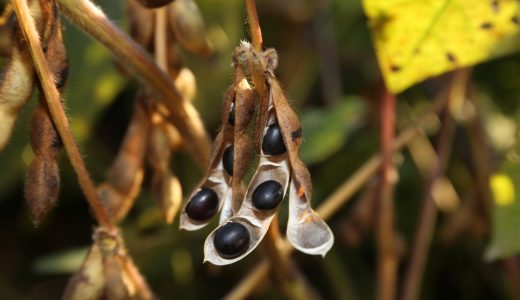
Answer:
(227, 159)
(272, 143)
(231, 118)
(203, 205)
(267, 195)
(231, 240)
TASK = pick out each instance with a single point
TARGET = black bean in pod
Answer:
(231, 240)
(231, 118)
(272, 143)
(203, 205)
(267, 195)
(227, 159)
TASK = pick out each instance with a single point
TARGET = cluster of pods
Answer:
(246, 214)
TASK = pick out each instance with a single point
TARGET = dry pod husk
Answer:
(125, 176)
(142, 23)
(188, 25)
(255, 218)
(107, 273)
(42, 183)
(18, 79)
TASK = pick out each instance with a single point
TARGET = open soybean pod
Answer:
(306, 231)
(242, 233)
(125, 175)
(188, 25)
(215, 189)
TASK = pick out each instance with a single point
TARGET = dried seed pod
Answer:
(42, 183)
(187, 23)
(306, 231)
(185, 82)
(255, 219)
(88, 283)
(166, 187)
(125, 176)
(154, 3)
(201, 206)
(142, 23)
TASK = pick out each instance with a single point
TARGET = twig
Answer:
(339, 197)
(57, 112)
(387, 260)
(160, 36)
(254, 25)
(427, 218)
(184, 116)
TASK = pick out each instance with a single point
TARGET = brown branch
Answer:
(254, 25)
(428, 216)
(387, 260)
(57, 112)
(161, 49)
(184, 116)
(340, 196)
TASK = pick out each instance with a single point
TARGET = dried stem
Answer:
(184, 116)
(57, 112)
(427, 218)
(339, 197)
(161, 49)
(387, 260)
(254, 25)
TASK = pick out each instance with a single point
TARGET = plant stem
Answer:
(160, 37)
(339, 197)
(52, 97)
(254, 25)
(427, 219)
(387, 260)
(184, 116)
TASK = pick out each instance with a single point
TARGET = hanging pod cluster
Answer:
(247, 214)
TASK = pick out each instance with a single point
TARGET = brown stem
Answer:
(184, 116)
(427, 219)
(387, 260)
(161, 49)
(57, 112)
(254, 25)
(339, 197)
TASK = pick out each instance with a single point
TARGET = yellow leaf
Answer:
(503, 189)
(417, 39)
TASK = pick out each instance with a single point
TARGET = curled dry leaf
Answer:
(107, 272)
(215, 189)
(306, 231)
(188, 25)
(125, 176)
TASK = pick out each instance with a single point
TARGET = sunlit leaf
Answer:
(505, 189)
(415, 40)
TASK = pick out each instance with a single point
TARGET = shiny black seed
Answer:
(267, 195)
(273, 141)
(203, 205)
(227, 159)
(231, 240)
(231, 118)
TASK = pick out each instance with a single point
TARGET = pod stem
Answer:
(185, 117)
(428, 216)
(254, 25)
(341, 195)
(387, 259)
(52, 97)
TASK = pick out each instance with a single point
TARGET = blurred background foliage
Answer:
(329, 70)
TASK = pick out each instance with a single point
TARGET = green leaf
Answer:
(415, 40)
(326, 130)
(505, 188)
